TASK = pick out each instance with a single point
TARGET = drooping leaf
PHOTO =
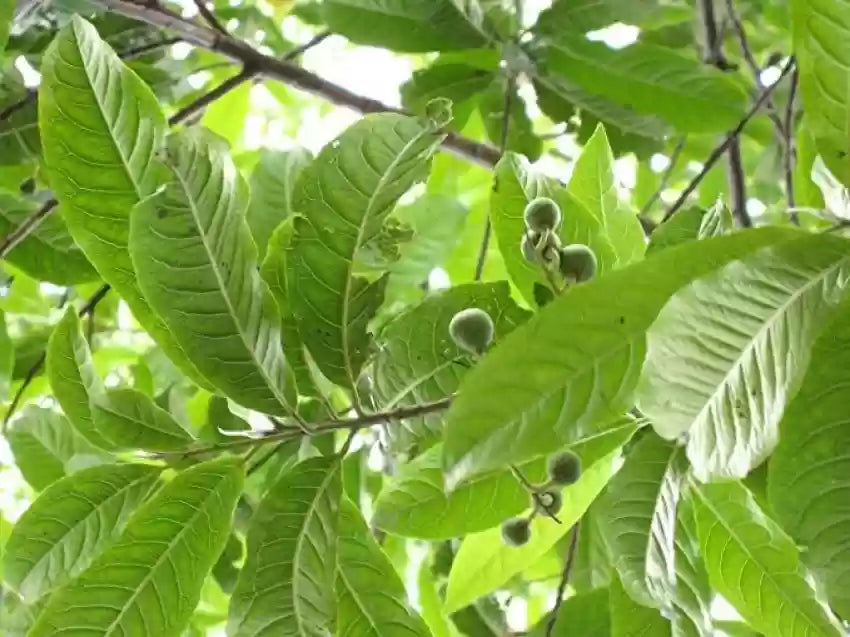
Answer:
(370, 595)
(223, 315)
(639, 512)
(418, 361)
(73, 378)
(754, 565)
(131, 420)
(586, 615)
(820, 31)
(100, 126)
(728, 349)
(408, 25)
(808, 483)
(70, 524)
(583, 353)
(650, 80)
(286, 586)
(342, 200)
(630, 619)
(415, 504)
(272, 185)
(149, 581)
(484, 562)
(592, 183)
(47, 253)
(7, 358)
(46, 447)
(515, 184)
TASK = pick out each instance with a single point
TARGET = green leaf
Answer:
(7, 12)
(226, 115)
(485, 563)
(47, 253)
(514, 185)
(592, 567)
(460, 83)
(808, 483)
(223, 315)
(71, 523)
(584, 353)
(413, 26)
(432, 606)
(592, 183)
(415, 504)
(418, 362)
(681, 227)
(582, 16)
(149, 581)
(586, 615)
(727, 351)
(7, 358)
(46, 447)
(131, 420)
(99, 155)
(820, 35)
(286, 586)
(754, 565)
(73, 378)
(521, 138)
(650, 80)
(693, 594)
(639, 517)
(16, 618)
(342, 200)
(20, 141)
(272, 186)
(630, 619)
(370, 595)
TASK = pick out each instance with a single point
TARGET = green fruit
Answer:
(550, 501)
(578, 263)
(516, 532)
(542, 214)
(527, 246)
(564, 468)
(472, 329)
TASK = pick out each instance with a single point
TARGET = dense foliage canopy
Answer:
(425, 318)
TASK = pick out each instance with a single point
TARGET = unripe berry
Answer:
(564, 468)
(516, 532)
(472, 329)
(550, 501)
(578, 263)
(527, 246)
(542, 214)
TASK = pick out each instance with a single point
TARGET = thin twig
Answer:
(534, 493)
(139, 51)
(665, 178)
(28, 225)
(13, 108)
(737, 185)
(565, 579)
(209, 17)
(208, 98)
(510, 86)
(790, 149)
(309, 44)
(718, 151)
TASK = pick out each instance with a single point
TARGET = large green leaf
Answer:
(514, 185)
(418, 362)
(693, 594)
(592, 183)
(131, 420)
(649, 80)
(809, 482)
(485, 563)
(7, 358)
(639, 519)
(73, 378)
(46, 447)
(415, 504)
(47, 253)
(754, 565)
(582, 16)
(820, 31)
(286, 586)
(370, 595)
(586, 615)
(727, 351)
(630, 619)
(70, 524)
(408, 25)
(149, 581)
(342, 200)
(223, 315)
(100, 127)
(272, 186)
(581, 357)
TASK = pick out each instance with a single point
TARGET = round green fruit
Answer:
(472, 330)
(542, 214)
(516, 532)
(564, 468)
(550, 501)
(578, 263)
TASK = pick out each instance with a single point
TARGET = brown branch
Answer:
(209, 16)
(208, 98)
(565, 578)
(286, 72)
(737, 185)
(790, 149)
(718, 151)
(139, 51)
